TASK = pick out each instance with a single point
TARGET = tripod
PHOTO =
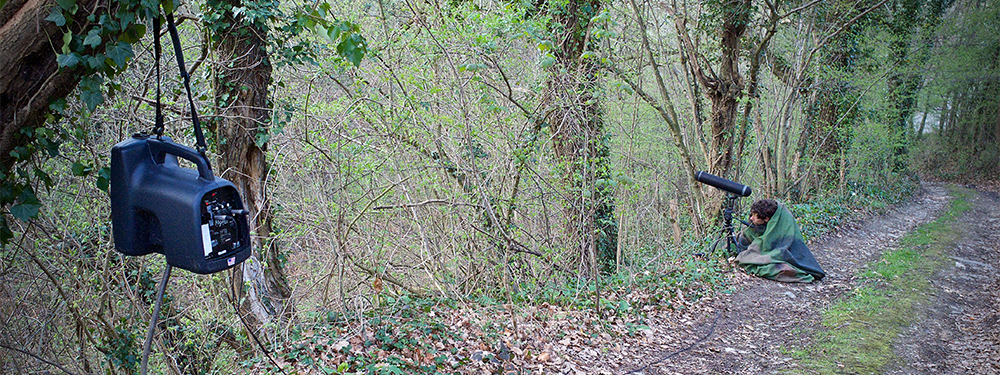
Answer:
(728, 229)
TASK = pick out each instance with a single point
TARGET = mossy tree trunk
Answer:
(241, 129)
(579, 139)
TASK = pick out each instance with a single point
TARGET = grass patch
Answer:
(860, 329)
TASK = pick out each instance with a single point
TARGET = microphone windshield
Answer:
(723, 184)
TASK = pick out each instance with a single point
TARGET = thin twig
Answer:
(35, 356)
(523, 249)
(428, 202)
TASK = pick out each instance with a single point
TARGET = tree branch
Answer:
(429, 202)
(35, 356)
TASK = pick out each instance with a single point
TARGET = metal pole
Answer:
(155, 318)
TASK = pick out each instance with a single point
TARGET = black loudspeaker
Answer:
(195, 219)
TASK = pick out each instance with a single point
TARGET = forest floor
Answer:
(761, 326)
(942, 315)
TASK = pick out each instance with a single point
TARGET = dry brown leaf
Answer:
(544, 357)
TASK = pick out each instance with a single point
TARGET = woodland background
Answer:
(398, 157)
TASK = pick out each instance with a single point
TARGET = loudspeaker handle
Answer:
(159, 149)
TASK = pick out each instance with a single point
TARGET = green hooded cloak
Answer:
(778, 252)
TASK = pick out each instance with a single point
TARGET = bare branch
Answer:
(35, 356)
(521, 248)
(429, 202)
(799, 9)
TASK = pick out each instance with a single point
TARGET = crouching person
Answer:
(774, 246)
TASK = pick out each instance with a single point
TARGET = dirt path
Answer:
(746, 332)
(959, 332)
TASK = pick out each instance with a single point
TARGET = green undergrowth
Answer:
(397, 338)
(692, 276)
(859, 330)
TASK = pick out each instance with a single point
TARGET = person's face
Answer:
(757, 220)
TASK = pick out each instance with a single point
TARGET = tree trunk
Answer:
(579, 139)
(726, 91)
(904, 85)
(723, 89)
(754, 74)
(902, 92)
(241, 132)
(923, 120)
(30, 78)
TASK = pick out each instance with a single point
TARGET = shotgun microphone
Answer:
(723, 184)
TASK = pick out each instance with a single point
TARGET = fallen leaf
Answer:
(544, 357)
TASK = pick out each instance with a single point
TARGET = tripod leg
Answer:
(156, 316)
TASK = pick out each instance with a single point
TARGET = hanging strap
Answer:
(179, 53)
(199, 136)
(158, 127)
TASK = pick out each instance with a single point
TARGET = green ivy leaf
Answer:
(20, 153)
(93, 38)
(333, 33)
(58, 105)
(67, 38)
(104, 184)
(322, 32)
(44, 133)
(66, 4)
(44, 177)
(547, 61)
(80, 169)
(96, 62)
(5, 232)
(28, 208)
(67, 60)
(261, 138)
(104, 179)
(7, 193)
(120, 53)
(92, 97)
(353, 49)
(28, 196)
(51, 146)
(126, 19)
(91, 91)
(57, 17)
(25, 211)
(133, 34)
